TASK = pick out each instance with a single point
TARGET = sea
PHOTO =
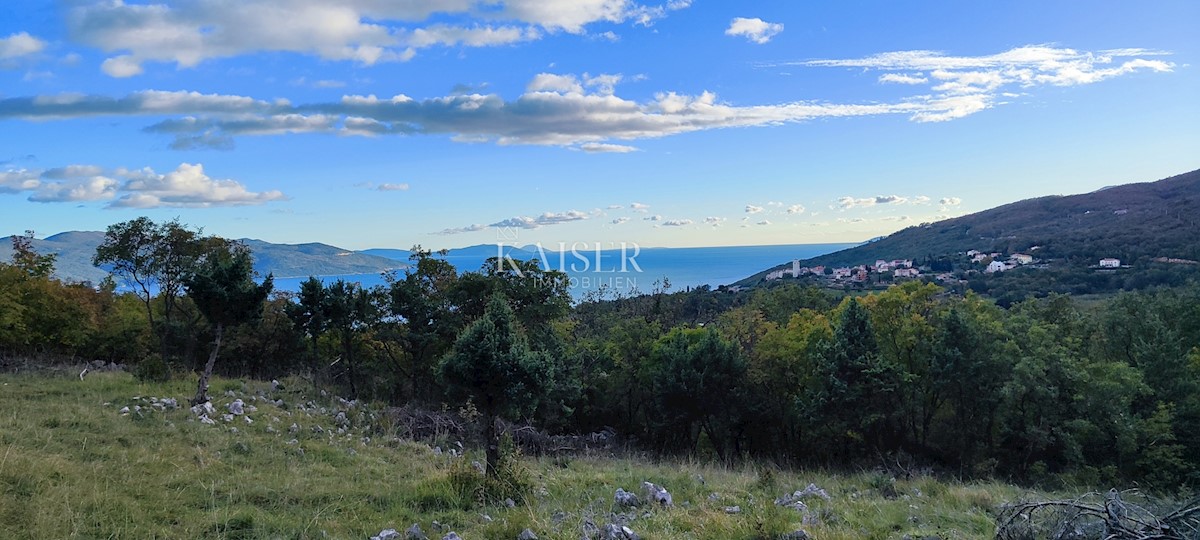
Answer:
(628, 270)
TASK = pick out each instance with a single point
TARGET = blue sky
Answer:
(448, 123)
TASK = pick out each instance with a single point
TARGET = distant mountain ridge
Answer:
(1132, 222)
(76, 248)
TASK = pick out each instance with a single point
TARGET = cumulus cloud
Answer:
(392, 187)
(548, 218)
(796, 209)
(615, 207)
(950, 201)
(676, 222)
(847, 203)
(714, 221)
(751, 209)
(620, 220)
(755, 30)
(185, 187)
(655, 217)
(362, 31)
(764, 222)
(639, 207)
(19, 45)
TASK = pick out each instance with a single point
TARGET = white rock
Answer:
(237, 407)
(204, 419)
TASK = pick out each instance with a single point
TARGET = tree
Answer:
(491, 363)
(697, 381)
(151, 256)
(223, 289)
(348, 309)
(28, 260)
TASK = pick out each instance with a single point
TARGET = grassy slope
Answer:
(71, 466)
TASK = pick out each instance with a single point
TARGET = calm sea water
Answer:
(682, 267)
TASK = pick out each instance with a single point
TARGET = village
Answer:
(884, 271)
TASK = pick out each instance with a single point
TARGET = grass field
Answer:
(73, 466)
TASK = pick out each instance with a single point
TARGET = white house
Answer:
(906, 272)
(1110, 263)
(1021, 258)
(996, 266)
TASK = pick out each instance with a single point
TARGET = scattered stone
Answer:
(248, 420)
(657, 494)
(415, 533)
(625, 498)
(276, 385)
(317, 429)
(613, 531)
(169, 403)
(796, 499)
(733, 509)
(124, 410)
(437, 450)
(700, 478)
(341, 419)
(230, 393)
(293, 441)
(714, 496)
(479, 467)
(527, 535)
(293, 428)
(387, 534)
(270, 429)
(227, 417)
(233, 430)
(204, 419)
(509, 503)
(237, 407)
(486, 518)
(452, 536)
(279, 403)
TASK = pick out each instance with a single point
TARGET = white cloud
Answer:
(19, 45)
(965, 85)
(362, 31)
(594, 147)
(764, 222)
(615, 207)
(751, 209)
(16, 181)
(655, 217)
(796, 209)
(677, 223)
(755, 30)
(899, 78)
(714, 221)
(186, 186)
(548, 218)
(639, 207)
(950, 201)
(392, 187)
(556, 109)
(920, 199)
(121, 66)
(851, 202)
(459, 230)
(620, 220)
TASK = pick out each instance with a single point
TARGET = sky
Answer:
(448, 123)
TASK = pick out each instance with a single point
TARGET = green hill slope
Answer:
(1132, 222)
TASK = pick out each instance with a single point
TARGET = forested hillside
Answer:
(1131, 222)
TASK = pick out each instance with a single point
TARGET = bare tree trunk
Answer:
(202, 386)
(493, 445)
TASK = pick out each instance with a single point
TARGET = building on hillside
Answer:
(795, 267)
(996, 266)
(977, 257)
(1021, 258)
(906, 273)
(1110, 263)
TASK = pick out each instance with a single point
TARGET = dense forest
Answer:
(1045, 390)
